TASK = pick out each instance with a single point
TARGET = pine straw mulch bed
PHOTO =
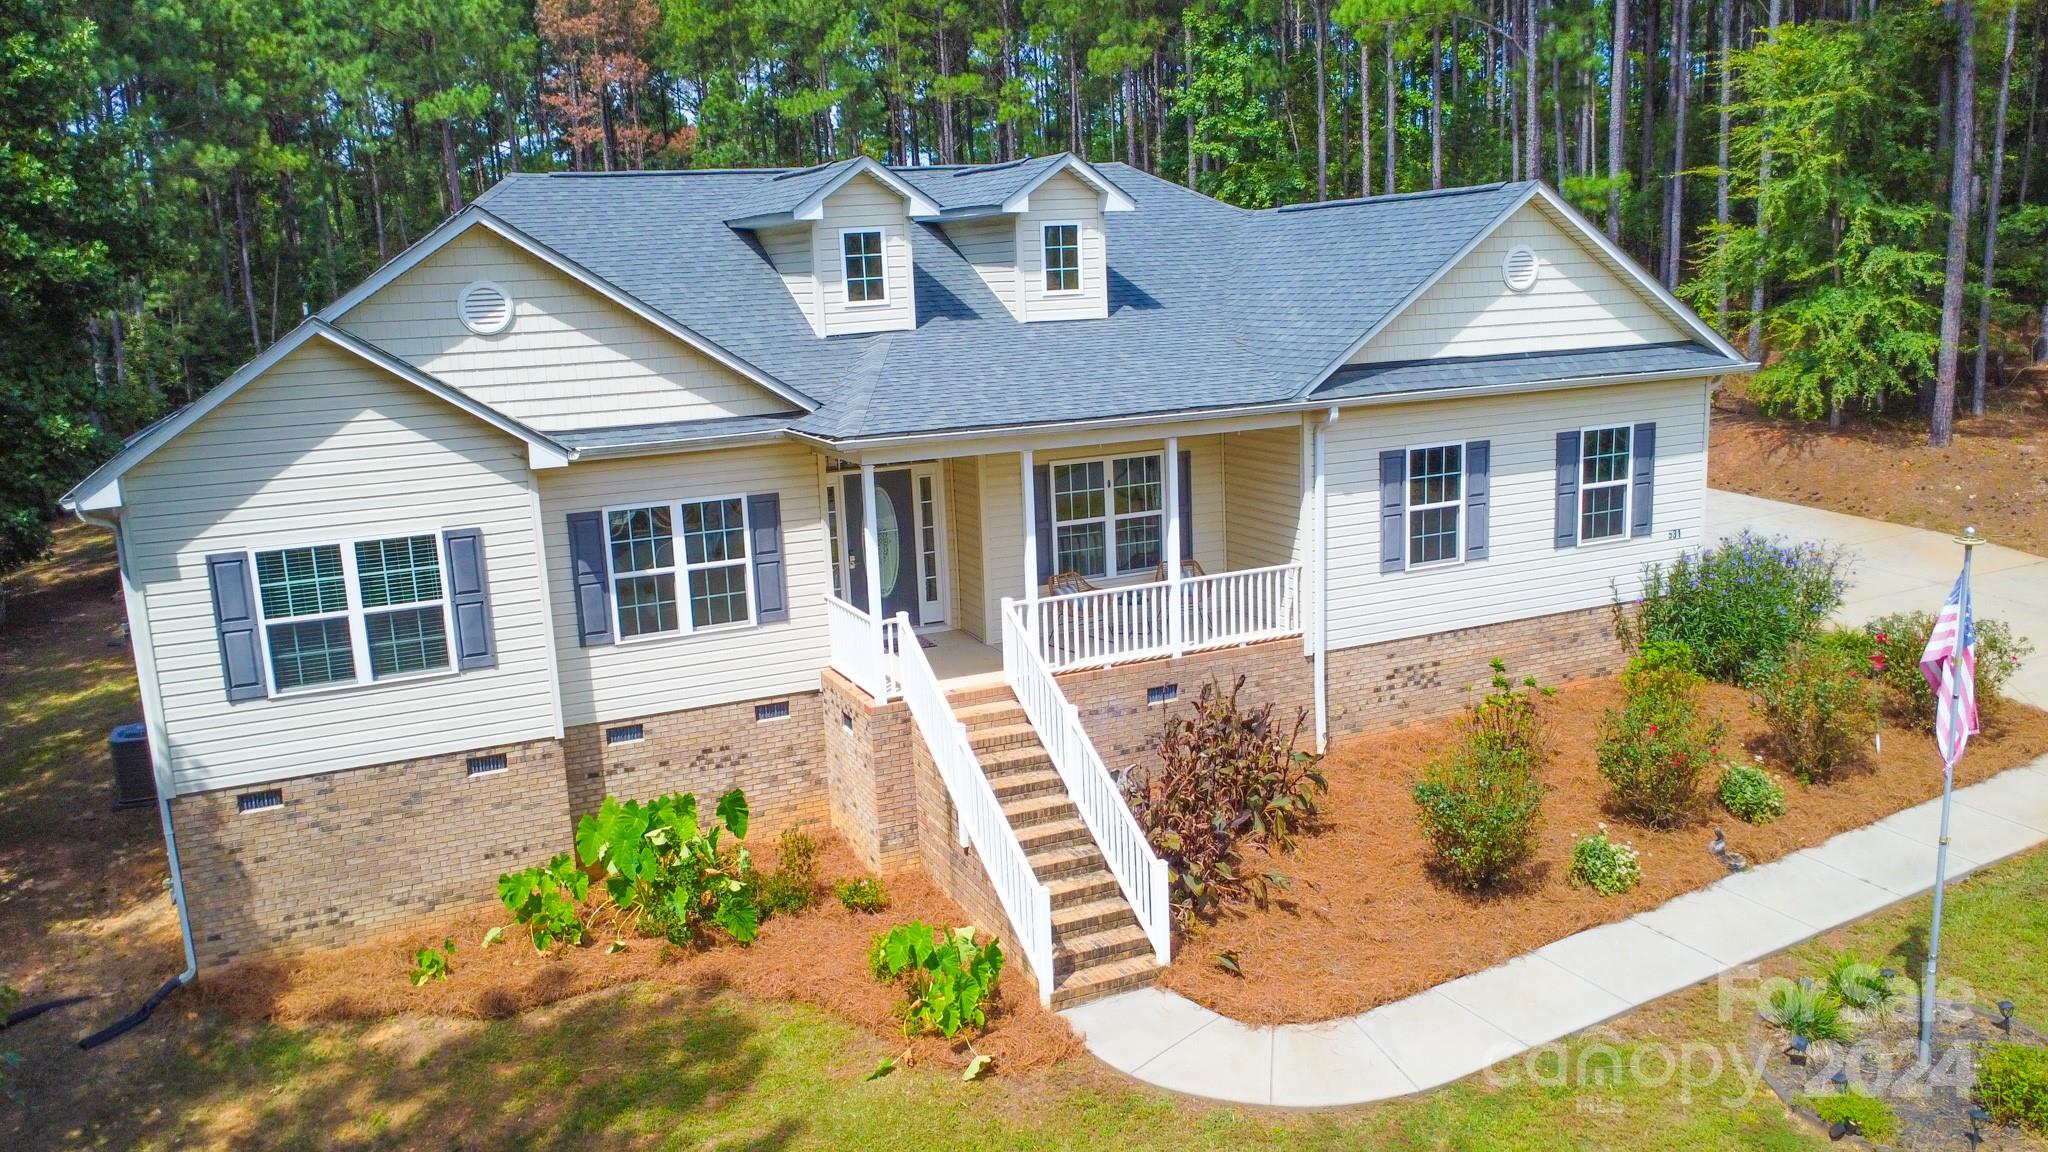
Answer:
(1366, 922)
(817, 957)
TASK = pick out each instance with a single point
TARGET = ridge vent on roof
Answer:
(965, 169)
(634, 172)
(787, 174)
(1421, 195)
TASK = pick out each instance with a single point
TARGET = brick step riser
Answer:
(1066, 964)
(1101, 888)
(1118, 917)
(969, 697)
(985, 744)
(1048, 871)
(1044, 813)
(1026, 790)
(1042, 840)
(1062, 1000)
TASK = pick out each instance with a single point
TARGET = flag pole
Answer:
(1969, 540)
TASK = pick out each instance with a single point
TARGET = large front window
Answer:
(1436, 503)
(865, 282)
(1603, 483)
(658, 589)
(332, 610)
(1109, 515)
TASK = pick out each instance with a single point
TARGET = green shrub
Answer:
(433, 963)
(2012, 1084)
(1820, 710)
(1604, 865)
(1227, 776)
(949, 978)
(1857, 983)
(546, 901)
(1874, 1118)
(1898, 640)
(794, 884)
(1656, 748)
(660, 863)
(1745, 601)
(1506, 718)
(1804, 1009)
(866, 894)
(1479, 807)
(1751, 794)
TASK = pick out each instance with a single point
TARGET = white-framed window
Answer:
(1605, 467)
(1109, 515)
(1062, 246)
(860, 251)
(660, 589)
(832, 535)
(354, 611)
(1436, 504)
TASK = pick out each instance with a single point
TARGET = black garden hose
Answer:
(134, 1018)
(21, 1015)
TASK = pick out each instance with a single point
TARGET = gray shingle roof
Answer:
(1461, 372)
(1210, 306)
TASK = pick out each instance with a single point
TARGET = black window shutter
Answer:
(1187, 506)
(771, 589)
(234, 620)
(588, 576)
(1643, 478)
(1393, 510)
(469, 598)
(1567, 528)
(1478, 462)
(1041, 508)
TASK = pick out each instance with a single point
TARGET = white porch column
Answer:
(1030, 537)
(1176, 624)
(871, 562)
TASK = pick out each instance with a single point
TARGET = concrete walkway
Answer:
(1471, 1023)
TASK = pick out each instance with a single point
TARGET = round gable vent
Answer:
(484, 308)
(1518, 269)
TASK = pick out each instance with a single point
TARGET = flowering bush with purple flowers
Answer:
(1741, 605)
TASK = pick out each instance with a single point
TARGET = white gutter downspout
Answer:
(1322, 586)
(163, 801)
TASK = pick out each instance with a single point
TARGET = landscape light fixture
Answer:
(1887, 973)
(1844, 1127)
(1840, 1080)
(2005, 1009)
(1977, 1118)
(1796, 1051)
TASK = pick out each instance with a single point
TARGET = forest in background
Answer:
(1853, 190)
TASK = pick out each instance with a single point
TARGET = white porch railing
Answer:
(1140, 873)
(1025, 899)
(860, 651)
(1141, 622)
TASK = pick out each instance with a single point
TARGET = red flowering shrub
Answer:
(1656, 748)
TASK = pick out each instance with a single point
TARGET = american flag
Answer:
(1950, 665)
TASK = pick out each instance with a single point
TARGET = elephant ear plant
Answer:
(661, 863)
(1228, 776)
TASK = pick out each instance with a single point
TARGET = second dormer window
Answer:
(865, 282)
(1062, 257)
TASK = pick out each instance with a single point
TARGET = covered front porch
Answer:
(1092, 553)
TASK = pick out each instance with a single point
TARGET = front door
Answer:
(895, 544)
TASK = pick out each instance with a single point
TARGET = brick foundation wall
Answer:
(780, 764)
(869, 774)
(1404, 681)
(1126, 729)
(363, 849)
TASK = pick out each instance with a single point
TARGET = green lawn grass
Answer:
(658, 1067)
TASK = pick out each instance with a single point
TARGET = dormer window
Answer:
(1062, 257)
(866, 282)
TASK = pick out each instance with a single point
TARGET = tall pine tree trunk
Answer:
(1393, 107)
(1991, 195)
(1674, 188)
(1763, 226)
(1726, 18)
(1617, 108)
(1322, 102)
(1436, 107)
(1942, 428)
(248, 282)
(1364, 115)
(451, 166)
(1532, 121)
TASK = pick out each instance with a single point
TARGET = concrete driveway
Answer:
(1899, 569)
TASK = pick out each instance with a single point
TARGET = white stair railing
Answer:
(859, 650)
(1139, 872)
(1136, 621)
(1025, 899)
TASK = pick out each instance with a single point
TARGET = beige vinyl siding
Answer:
(1002, 510)
(1262, 496)
(325, 448)
(1580, 301)
(963, 509)
(865, 203)
(789, 251)
(571, 357)
(1063, 199)
(1525, 575)
(990, 245)
(618, 681)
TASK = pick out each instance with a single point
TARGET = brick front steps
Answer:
(1098, 947)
